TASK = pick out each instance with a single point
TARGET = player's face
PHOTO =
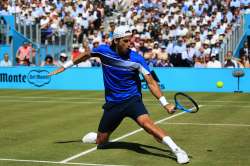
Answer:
(123, 45)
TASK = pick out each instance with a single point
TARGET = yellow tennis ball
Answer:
(219, 84)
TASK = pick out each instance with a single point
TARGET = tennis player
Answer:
(121, 69)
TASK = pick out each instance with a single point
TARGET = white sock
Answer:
(168, 141)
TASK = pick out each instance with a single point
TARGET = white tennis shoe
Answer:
(90, 138)
(182, 157)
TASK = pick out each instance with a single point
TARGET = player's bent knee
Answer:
(148, 125)
(145, 122)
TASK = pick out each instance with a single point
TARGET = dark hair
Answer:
(112, 46)
(48, 57)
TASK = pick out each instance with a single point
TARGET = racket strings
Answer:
(185, 103)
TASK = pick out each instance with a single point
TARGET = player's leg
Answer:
(138, 112)
(148, 125)
(111, 118)
(102, 138)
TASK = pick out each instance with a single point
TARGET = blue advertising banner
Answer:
(169, 79)
(36, 78)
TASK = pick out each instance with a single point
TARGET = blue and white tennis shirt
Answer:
(121, 77)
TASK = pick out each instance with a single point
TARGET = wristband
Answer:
(163, 101)
(68, 64)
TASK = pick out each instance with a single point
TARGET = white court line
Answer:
(102, 99)
(210, 124)
(55, 162)
(51, 101)
(119, 138)
(54, 97)
(60, 101)
(101, 102)
(218, 105)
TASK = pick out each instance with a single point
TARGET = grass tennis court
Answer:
(44, 128)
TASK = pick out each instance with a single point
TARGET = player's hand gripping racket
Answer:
(185, 103)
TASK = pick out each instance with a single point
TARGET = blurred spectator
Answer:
(5, 62)
(245, 50)
(216, 47)
(112, 28)
(48, 61)
(84, 46)
(229, 62)
(75, 53)
(61, 29)
(156, 49)
(148, 56)
(46, 30)
(199, 63)
(94, 61)
(243, 61)
(162, 54)
(213, 63)
(62, 59)
(165, 63)
(25, 54)
(96, 42)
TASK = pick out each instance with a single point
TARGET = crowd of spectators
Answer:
(186, 33)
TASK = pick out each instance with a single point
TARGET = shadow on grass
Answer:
(138, 148)
(68, 141)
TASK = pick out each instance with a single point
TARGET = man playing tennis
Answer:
(121, 68)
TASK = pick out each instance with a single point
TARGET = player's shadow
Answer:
(70, 141)
(139, 148)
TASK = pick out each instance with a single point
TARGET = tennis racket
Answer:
(185, 103)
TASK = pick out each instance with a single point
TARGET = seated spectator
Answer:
(229, 62)
(62, 59)
(156, 49)
(148, 56)
(243, 61)
(96, 42)
(25, 53)
(213, 63)
(206, 59)
(199, 62)
(76, 52)
(162, 54)
(164, 63)
(5, 62)
(48, 61)
(245, 50)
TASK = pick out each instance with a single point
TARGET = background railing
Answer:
(5, 38)
(232, 40)
(52, 44)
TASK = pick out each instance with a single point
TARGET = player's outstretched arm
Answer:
(82, 57)
(156, 91)
(61, 69)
